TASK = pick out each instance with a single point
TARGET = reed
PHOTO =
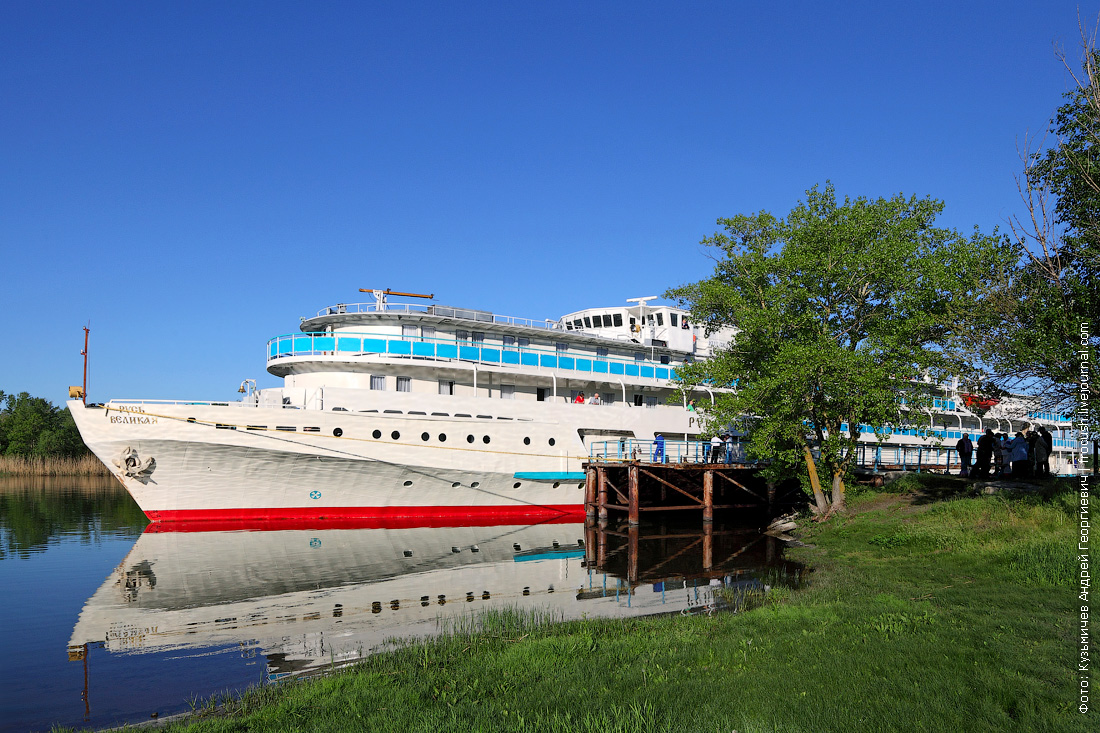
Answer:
(86, 465)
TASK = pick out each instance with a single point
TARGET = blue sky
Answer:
(192, 178)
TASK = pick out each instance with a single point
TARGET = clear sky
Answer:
(191, 178)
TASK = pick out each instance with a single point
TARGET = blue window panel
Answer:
(302, 344)
(584, 365)
(286, 346)
(661, 372)
(324, 343)
(509, 357)
(423, 348)
(565, 362)
(469, 353)
(616, 367)
(345, 343)
(844, 426)
(400, 347)
(272, 349)
(529, 359)
(647, 371)
(374, 346)
(549, 360)
(951, 404)
(490, 354)
(632, 370)
(446, 351)
(599, 366)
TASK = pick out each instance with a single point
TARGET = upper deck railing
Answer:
(443, 311)
(366, 344)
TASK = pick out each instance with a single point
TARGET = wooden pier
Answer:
(634, 487)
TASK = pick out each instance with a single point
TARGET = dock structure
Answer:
(635, 486)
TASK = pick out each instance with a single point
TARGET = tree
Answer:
(32, 426)
(840, 309)
(1032, 343)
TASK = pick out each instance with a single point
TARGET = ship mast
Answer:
(380, 296)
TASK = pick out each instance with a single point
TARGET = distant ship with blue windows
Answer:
(429, 413)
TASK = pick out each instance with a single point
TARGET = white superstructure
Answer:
(429, 411)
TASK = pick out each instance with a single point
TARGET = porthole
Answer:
(337, 432)
(395, 435)
(516, 485)
(377, 434)
(407, 483)
(442, 437)
(580, 486)
(527, 441)
(469, 439)
(424, 437)
(485, 440)
(551, 441)
(557, 484)
(475, 484)
(455, 485)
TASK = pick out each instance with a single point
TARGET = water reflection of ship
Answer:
(309, 598)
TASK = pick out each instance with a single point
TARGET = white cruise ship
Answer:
(395, 410)
(400, 410)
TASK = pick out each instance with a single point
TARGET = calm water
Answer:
(107, 622)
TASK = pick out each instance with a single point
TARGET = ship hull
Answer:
(235, 463)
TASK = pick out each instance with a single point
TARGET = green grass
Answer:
(953, 614)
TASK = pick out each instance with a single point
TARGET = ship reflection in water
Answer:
(309, 598)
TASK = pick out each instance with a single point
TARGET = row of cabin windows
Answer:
(507, 391)
(606, 320)
(478, 337)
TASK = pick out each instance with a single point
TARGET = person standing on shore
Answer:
(985, 453)
(1045, 437)
(1002, 450)
(965, 448)
(1018, 454)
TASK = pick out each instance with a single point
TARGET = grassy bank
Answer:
(87, 465)
(926, 612)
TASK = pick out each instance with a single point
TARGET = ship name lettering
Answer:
(133, 419)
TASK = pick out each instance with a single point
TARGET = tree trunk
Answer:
(821, 504)
(838, 490)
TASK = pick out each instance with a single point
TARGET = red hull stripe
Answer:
(216, 520)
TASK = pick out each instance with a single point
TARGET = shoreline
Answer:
(932, 606)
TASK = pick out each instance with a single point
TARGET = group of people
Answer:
(579, 399)
(1023, 456)
(721, 448)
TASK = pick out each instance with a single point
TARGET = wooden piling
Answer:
(708, 545)
(601, 482)
(632, 494)
(632, 554)
(708, 495)
(590, 493)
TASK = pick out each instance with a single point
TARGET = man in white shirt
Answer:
(716, 449)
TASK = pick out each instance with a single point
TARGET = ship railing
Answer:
(670, 451)
(870, 457)
(335, 344)
(446, 311)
